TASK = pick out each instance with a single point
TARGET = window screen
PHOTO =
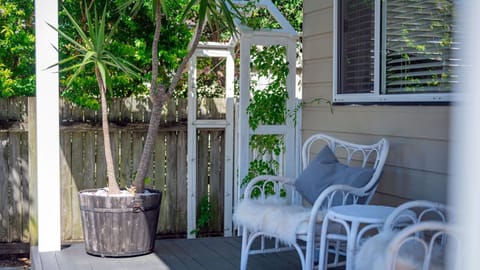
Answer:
(357, 46)
(419, 44)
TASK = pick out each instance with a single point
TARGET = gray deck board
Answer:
(50, 261)
(215, 253)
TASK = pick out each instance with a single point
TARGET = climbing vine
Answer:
(268, 106)
(205, 215)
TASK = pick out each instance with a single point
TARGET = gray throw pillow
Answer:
(325, 170)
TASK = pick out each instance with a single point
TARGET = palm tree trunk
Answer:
(158, 98)
(112, 182)
(159, 95)
(193, 46)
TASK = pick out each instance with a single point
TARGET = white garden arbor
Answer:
(285, 36)
(237, 158)
(211, 50)
(237, 130)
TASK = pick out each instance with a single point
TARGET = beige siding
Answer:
(417, 166)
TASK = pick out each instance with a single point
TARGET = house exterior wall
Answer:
(417, 165)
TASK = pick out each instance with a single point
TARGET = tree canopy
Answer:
(132, 40)
(17, 43)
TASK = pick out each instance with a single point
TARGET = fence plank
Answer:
(159, 180)
(126, 159)
(147, 107)
(66, 185)
(101, 171)
(116, 146)
(125, 110)
(171, 116)
(62, 109)
(15, 208)
(89, 160)
(140, 110)
(202, 168)
(4, 110)
(136, 114)
(150, 170)
(78, 184)
(92, 116)
(181, 214)
(25, 203)
(4, 200)
(217, 179)
(16, 109)
(67, 113)
(182, 110)
(75, 113)
(171, 187)
(114, 111)
(137, 149)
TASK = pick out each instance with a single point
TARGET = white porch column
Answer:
(464, 182)
(48, 139)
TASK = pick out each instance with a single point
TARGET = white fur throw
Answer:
(372, 254)
(273, 216)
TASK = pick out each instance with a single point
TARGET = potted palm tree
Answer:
(117, 223)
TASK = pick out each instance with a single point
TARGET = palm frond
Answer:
(188, 8)
(231, 12)
(100, 33)
(84, 37)
(121, 64)
(92, 48)
(72, 41)
(137, 5)
(78, 70)
(220, 12)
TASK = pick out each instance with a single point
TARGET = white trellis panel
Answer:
(220, 50)
(284, 36)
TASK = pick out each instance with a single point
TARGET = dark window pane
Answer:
(356, 41)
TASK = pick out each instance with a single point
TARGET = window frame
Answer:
(379, 48)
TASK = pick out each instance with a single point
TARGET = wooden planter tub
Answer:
(119, 226)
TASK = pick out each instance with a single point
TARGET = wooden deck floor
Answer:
(202, 253)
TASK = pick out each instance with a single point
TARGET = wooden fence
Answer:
(83, 166)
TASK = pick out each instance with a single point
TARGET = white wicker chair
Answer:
(307, 228)
(414, 236)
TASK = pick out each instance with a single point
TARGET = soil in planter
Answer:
(21, 261)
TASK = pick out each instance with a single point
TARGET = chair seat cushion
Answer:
(325, 170)
(273, 216)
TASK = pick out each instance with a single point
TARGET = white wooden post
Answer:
(464, 184)
(48, 139)
(229, 142)
(292, 147)
(243, 126)
(192, 148)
